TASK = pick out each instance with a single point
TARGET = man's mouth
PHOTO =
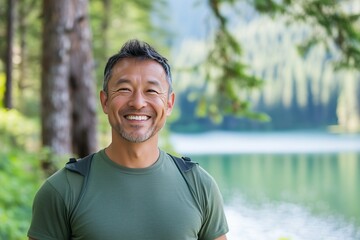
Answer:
(137, 117)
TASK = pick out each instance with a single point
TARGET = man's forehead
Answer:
(125, 69)
(131, 61)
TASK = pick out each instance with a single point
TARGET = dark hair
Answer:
(140, 50)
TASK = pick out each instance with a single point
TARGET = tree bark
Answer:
(105, 22)
(68, 88)
(56, 124)
(9, 48)
(23, 8)
(82, 84)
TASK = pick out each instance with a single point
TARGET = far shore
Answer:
(218, 142)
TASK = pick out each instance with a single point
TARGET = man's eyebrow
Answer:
(155, 83)
(121, 80)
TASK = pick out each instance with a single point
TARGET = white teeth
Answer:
(137, 118)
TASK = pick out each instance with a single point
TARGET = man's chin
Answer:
(136, 138)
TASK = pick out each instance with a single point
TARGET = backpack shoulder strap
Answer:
(192, 175)
(184, 163)
(80, 166)
(185, 166)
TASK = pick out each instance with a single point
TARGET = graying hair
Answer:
(140, 50)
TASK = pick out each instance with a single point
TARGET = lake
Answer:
(293, 185)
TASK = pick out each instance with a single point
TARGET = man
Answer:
(134, 189)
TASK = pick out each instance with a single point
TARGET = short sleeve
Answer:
(49, 215)
(214, 224)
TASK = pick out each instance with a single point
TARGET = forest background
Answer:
(237, 66)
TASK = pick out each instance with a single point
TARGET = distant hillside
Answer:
(297, 93)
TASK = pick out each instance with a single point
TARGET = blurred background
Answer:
(267, 101)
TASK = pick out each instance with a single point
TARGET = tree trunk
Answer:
(82, 84)
(23, 8)
(9, 53)
(105, 22)
(68, 93)
(55, 95)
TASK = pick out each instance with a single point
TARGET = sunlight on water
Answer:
(285, 221)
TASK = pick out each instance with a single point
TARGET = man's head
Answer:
(137, 95)
(138, 50)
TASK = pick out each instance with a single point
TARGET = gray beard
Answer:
(136, 138)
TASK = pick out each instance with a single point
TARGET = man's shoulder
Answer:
(202, 176)
(58, 177)
(64, 181)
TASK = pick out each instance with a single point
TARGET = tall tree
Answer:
(55, 94)
(105, 23)
(24, 10)
(82, 84)
(23, 46)
(68, 101)
(9, 53)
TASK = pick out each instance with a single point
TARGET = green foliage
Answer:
(20, 172)
(20, 175)
(19, 182)
(227, 77)
(265, 6)
(18, 131)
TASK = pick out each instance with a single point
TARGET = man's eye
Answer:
(123, 90)
(152, 91)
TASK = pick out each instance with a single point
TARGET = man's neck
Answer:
(133, 155)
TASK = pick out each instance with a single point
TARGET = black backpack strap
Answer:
(190, 172)
(184, 163)
(81, 166)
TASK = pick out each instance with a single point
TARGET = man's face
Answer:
(138, 102)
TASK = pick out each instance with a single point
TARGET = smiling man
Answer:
(133, 189)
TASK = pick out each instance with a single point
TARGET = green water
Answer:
(325, 185)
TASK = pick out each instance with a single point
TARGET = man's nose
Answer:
(137, 100)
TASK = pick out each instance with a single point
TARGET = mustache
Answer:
(131, 111)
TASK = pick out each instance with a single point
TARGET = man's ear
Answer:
(103, 100)
(170, 104)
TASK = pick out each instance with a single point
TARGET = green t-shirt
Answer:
(124, 203)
